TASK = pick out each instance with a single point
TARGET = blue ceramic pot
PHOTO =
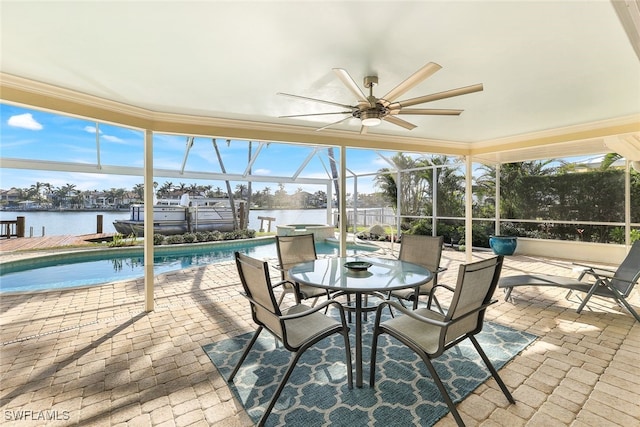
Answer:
(503, 245)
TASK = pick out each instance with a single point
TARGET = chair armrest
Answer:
(407, 312)
(428, 320)
(282, 282)
(591, 267)
(314, 309)
(449, 288)
(276, 267)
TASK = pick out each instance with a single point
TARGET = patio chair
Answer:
(298, 328)
(294, 250)
(429, 333)
(616, 284)
(425, 251)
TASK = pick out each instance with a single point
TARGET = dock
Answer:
(48, 242)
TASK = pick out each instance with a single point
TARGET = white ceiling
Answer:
(544, 65)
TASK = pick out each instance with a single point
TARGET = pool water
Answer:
(100, 267)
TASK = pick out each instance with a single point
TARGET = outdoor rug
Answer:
(317, 393)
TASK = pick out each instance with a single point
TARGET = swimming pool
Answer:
(96, 267)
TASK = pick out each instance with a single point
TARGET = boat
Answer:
(173, 216)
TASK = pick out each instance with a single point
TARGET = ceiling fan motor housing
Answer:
(370, 81)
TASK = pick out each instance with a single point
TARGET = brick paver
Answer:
(92, 356)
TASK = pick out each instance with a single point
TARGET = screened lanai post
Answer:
(468, 209)
(497, 203)
(330, 202)
(434, 203)
(398, 202)
(627, 204)
(343, 201)
(148, 220)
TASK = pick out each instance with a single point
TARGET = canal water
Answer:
(57, 223)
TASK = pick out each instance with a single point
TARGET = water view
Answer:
(83, 222)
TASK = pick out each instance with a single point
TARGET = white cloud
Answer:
(112, 138)
(24, 121)
(262, 172)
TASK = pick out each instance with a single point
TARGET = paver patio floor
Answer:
(92, 356)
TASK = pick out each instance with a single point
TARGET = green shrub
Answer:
(116, 240)
(214, 236)
(201, 236)
(119, 240)
(175, 239)
(209, 236)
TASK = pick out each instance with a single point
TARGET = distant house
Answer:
(10, 197)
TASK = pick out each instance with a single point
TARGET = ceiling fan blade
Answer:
(316, 100)
(427, 111)
(402, 123)
(315, 114)
(348, 81)
(417, 77)
(435, 96)
(334, 123)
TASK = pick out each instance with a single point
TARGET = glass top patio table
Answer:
(382, 276)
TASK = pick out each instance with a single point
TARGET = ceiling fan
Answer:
(372, 110)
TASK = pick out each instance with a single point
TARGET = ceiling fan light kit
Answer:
(372, 111)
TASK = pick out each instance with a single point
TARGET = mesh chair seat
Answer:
(297, 328)
(293, 250)
(430, 334)
(425, 251)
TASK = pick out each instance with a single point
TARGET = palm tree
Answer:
(166, 189)
(182, 188)
(267, 195)
(138, 189)
(511, 180)
(609, 159)
(414, 185)
(241, 190)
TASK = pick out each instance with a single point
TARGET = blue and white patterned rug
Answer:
(317, 393)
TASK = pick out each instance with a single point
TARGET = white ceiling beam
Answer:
(9, 163)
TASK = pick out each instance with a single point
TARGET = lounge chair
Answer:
(615, 284)
(293, 250)
(427, 252)
(430, 334)
(298, 328)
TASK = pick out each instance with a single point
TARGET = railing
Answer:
(9, 228)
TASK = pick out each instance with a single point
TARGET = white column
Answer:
(148, 221)
(468, 210)
(343, 201)
(330, 202)
(497, 205)
(627, 204)
(434, 204)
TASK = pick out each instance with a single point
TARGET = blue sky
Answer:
(38, 135)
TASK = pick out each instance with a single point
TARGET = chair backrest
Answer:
(476, 284)
(629, 271)
(294, 250)
(422, 250)
(254, 275)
